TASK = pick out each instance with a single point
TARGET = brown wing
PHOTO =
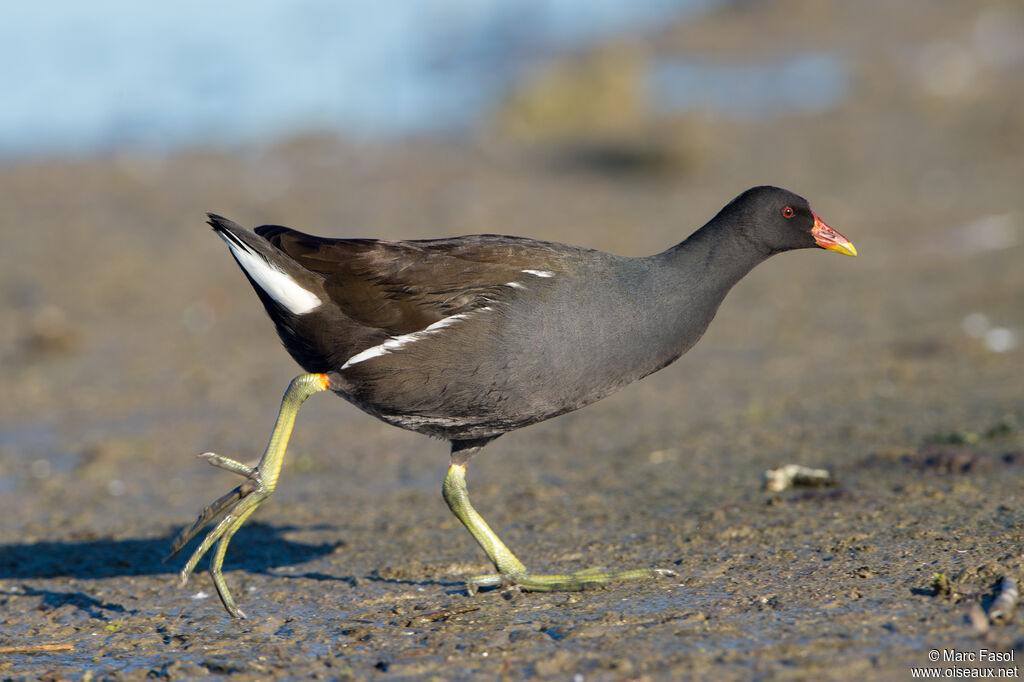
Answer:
(404, 286)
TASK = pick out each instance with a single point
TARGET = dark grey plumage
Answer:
(524, 330)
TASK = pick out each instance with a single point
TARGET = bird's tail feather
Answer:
(269, 269)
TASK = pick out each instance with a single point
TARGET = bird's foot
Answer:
(569, 582)
(236, 506)
(240, 503)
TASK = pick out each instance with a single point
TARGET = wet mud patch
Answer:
(998, 448)
(944, 460)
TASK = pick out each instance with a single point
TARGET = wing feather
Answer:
(404, 286)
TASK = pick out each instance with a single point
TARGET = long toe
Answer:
(567, 582)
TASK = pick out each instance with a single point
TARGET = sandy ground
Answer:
(129, 341)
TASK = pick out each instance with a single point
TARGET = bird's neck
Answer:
(694, 277)
(712, 260)
(722, 249)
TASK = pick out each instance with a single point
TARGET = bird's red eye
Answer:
(788, 212)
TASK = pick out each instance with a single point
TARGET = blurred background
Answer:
(116, 76)
(129, 340)
(112, 77)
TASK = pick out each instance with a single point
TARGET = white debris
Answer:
(1000, 339)
(975, 325)
(792, 475)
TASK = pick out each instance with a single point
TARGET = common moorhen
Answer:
(468, 338)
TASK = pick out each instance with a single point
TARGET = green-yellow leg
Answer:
(511, 571)
(241, 502)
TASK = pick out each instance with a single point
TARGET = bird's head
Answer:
(780, 220)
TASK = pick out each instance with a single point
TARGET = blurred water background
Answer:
(86, 78)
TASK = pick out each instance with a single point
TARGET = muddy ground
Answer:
(129, 342)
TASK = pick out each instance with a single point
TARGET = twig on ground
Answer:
(35, 648)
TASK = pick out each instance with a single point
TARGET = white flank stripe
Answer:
(539, 273)
(514, 285)
(278, 285)
(397, 342)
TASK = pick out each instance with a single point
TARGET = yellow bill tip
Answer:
(829, 239)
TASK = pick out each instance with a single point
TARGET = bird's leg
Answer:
(241, 502)
(511, 571)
